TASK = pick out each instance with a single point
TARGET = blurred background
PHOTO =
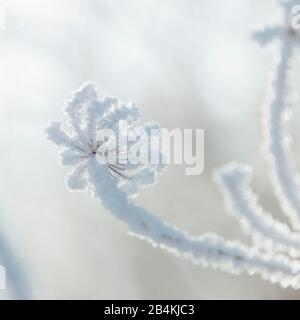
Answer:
(188, 64)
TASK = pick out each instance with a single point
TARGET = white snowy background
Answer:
(188, 64)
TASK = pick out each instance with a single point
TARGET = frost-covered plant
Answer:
(114, 182)
(92, 142)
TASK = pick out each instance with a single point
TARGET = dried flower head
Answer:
(107, 131)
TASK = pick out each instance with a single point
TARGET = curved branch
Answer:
(242, 202)
(207, 250)
(282, 169)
